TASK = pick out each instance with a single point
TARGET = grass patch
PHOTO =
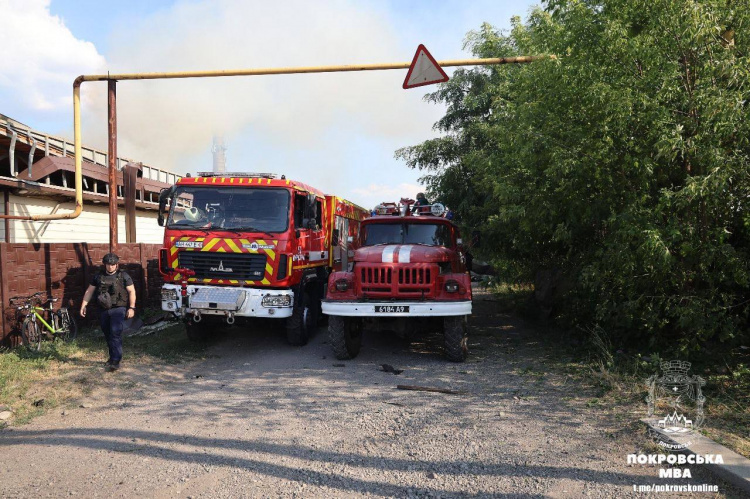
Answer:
(532, 372)
(728, 408)
(169, 345)
(727, 392)
(24, 378)
(61, 374)
(617, 379)
(510, 296)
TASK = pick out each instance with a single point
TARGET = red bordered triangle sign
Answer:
(424, 70)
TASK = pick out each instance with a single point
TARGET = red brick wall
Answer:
(64, 271)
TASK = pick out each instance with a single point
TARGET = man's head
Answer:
(110, 262)
(420, 195)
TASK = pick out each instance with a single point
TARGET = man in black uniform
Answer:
(115, 295)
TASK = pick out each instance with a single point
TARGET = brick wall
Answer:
(64, 271)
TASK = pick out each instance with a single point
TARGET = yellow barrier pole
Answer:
(302, 70)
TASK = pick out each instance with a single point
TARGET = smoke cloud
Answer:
(336, 131)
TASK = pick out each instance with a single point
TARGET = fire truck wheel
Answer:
(455, 330)
(345, 336)
(301, 323)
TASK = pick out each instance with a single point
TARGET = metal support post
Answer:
(112, 160)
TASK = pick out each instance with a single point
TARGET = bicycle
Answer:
(63, 324)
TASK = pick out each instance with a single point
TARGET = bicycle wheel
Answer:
(30, 334)
(66, 324)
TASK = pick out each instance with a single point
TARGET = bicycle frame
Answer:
(51, 328)
(61, 324)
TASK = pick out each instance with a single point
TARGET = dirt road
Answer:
(260, 418)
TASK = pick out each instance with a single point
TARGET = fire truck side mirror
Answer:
(335, 237)
(164, 196)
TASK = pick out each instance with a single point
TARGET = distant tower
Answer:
(220, 158)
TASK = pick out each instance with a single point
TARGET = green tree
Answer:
(624, 161)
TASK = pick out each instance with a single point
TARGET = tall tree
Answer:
(624, 161)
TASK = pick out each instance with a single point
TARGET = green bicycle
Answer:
(63, 325)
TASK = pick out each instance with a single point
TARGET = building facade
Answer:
(37, 177)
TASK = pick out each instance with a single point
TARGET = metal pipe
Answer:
(78, 174)
(311, 69)
(6, 200)
(12, 149)
(237, 72)
(32, 141)
(112, 161)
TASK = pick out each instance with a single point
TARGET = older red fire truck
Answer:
(250, 245)
(409, 273)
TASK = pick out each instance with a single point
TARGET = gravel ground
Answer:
(259, 418)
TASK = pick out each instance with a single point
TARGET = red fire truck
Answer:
(250, 245)
(409, 273)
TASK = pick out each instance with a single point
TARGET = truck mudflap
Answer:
(228, 301)
(396, 309)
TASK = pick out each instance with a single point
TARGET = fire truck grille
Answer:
(414, 276)
(377, 278)
(237, 266)
(397, 282)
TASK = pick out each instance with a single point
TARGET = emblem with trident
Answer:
(673, 385)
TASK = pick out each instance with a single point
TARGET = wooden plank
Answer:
(430, 389)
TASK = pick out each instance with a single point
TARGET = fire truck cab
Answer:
(409, 271)
(248, 245)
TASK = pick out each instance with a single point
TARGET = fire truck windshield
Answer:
(391, 233)
(249, 209)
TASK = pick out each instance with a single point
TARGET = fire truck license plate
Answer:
(391, 309)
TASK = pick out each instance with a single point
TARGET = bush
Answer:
(624, 163)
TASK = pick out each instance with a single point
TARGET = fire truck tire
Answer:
(455, 330)
(302, 321)
(345, 335)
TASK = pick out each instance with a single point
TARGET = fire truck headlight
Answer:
(276, 301)
(168, 295)
(342, 285)
(451, 287)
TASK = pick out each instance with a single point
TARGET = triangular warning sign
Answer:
(424, 70)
